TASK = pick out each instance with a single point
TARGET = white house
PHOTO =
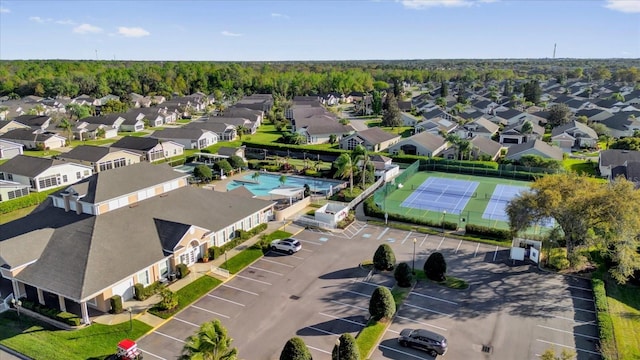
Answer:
(189, 138)
(424, 143)
(43, 174)
(10, 149)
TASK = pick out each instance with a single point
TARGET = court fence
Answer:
(505, 171)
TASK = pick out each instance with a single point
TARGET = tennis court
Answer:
(439, 194)
(501, 196)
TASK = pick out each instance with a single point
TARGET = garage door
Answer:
(124, 289)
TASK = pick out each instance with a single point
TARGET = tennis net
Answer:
(449, 192)
(503, 199)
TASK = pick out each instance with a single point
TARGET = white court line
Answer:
(265, 270)
(322, 331)
(423, 240)
(357, 293)
(460, 243)
(421, 323)
(316, 349)
(152, 354)
(349, 305)
(235, 288)
(441, 241)
(382, 233)
(429, 310)
(476, 253)
(170, 337)
(569, 332)
(258, 281)
(406, 237)
(495, 253)
(310, 242)
(223, 299)
(209, 311)
(434, 298)
(276, 262)
(186, 322)
(376, 285)
(400, 351)
(343, 319)
(569, 347)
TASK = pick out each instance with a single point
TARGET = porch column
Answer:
(40, 296)
(85, 313)
(63, 307)
(16, 288)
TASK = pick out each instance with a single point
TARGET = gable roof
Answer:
(29, 166)
(179, 133)
(617, 157)
(569, 129)
(211, 126)
(619, 121)
(32, 120)
(375, 135)
(90, 153)
(426, 139)
(552, 152)
(486, 145)
(136, 143)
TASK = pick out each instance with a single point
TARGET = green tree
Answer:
(532, 91)
(68, 128)
(629, 143)
(203, 172)
(444, 89)
(442, 102)
(114, 106)
(391, 116)
(345, 168)
(384, 258)
(168, 299)
(241, 130)
(435, 267)
(376, 104)
(360, 154)
(223, 167)
(403, 275)
(527, 127)
(558, 115)
(255, 176)
(211, 342)
(600, 129)
(347, 348)
(617, 96)
(332, 139)
(282, 179)
(381, 304)
(237, 162)
(295, 349)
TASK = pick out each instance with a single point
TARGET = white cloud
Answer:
(277, 15)
(132, 31)
(627, 6)
(86, 29)
(229, 33)
(424, 4)
(37, 19)
(4, 10)
(65, 22)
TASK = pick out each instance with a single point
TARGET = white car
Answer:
(288, 245)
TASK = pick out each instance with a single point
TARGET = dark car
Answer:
(434, 344)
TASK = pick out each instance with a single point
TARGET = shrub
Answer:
(371, 209)
(348, 349)
(169, 299)
(295, 349)
(435, 267)
(559, 262)
(183, 271)
(382, 305)
(491, 233)
(138, 291)
(68, 318)
(142, 293)
(384, 259)
(403, 275)
(116, 304)
(605, 323)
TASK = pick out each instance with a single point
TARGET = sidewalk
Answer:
(138, 309)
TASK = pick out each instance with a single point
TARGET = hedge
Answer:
(371, 209)
(142, 293)
(116, 304)
(55, 314)
(284, 147)
(488, 232)
(25, 201)
(183, 271)
(605, 324)
(216, 251)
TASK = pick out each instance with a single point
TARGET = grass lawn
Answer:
(97, 142)
(16, 214)
(369, 336)
(136, 134)
(38, 340)
(41, 153)
(251, 254)
(451, 282)
(580, 166)
(189, 294)
(624, 308)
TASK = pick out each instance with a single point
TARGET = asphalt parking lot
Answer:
(510, 311)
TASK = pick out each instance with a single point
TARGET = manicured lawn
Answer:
(369, 336)
(451, 281)
(137, 134)
(43, 153)
(242, 260)
(624, 308)
(40, 341)
(580, 166)
(189, 294)
(16, 214)
(98, 142)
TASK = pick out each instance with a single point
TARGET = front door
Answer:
(194, 253)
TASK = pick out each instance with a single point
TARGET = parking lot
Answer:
(510, 311)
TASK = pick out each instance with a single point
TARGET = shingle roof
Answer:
(26, 134)
(568, 128)
(426, 139)
(28, 166)
(616, 157)
(178, 133)
(552, 152)
(136, 143)
(486, 145)
(32, 120)
(211, 126)
(86, 153)
(375, 135)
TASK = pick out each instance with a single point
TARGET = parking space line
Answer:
(579, 288)
(152, 354)
(187, 322)
(434, 298)
(301, 258)
(248, 278)
(569, 332)
(376, 285)
(460, 243)
(574, 321)
(393, 331)
(495, 253)
(357, 293)
(349, 305)
(170, 337)
(476, 253)
(275, 262)
(343, 319)
(310, 242)
(565, 284)
(265, 270)
(209, 311)
(429, 310)
(322, 331)
(382, 234)
(569, 347)
(316, 349)
(400, 351)
(441, 241)
(235, 288)
(423, 240)
(223, 299)
(406, 237)
(581, 298)
(421, 323)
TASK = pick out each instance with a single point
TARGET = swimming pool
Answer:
(268, 182)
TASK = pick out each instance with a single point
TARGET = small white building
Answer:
(331, 213)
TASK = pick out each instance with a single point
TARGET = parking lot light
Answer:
(444, 215)
(413, 264)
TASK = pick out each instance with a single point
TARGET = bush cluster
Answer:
(403, 275)
(183, 270)
(55, 314)
(435, 267)
(142, 293)
(24, 201)
(384, 258)
(605, 323)
(371, 209)
(216, 251)
(488, 232)
(116, 304)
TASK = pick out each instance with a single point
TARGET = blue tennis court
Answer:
(501, 196)
(439, 194)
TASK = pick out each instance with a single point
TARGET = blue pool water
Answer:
(268, 182)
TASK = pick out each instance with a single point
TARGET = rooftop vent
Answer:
(486, 349)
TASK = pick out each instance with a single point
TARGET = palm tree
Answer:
(465, 147)
(68, 128)
(345, 168)
(360, 153)
(211, 342)
(255, 176)
(283, 179)
(455, 141)
(241, 130)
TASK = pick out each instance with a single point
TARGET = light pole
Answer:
(444, 214)
(17, 304)
(338, 349)
(413, 264)
(130, 319)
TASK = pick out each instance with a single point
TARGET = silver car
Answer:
(434, 344)
(288, 245)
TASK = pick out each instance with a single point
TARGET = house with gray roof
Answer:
(225, 132)
(10, 149)
(373, 139)
(518, 133)
(190, 138)
(42, 173)
(8, 125)
(256, 116)
(614, 162)
(250, 127)
(536, 147)
(622, 124)
(424, 144)
(131, 225)
(133, 121)
(101, 158)
(150, 149)
(436, 126)
(110, 120)
(317, 125)
(574, 134)
(480, 127)
(10, 190)
(35, 122)
(483, 148)
(35, 139)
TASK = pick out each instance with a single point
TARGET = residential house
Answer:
(622, 124)
(383, 167)
(85, 131)
(84, 100)
(113, 121)
(226, 151)
(190, 138)
(150, 149)
(317, 125)
(409, 119)
(132, 121)
(480, 127)
(10, 190)
(35, 122)
(536, 147)
(115, 229)
(42, 173)
(424, 144)
(483, 148)
(9, 149)
(249, 126)
(8, 125)
(35, 140)
(595, 114)
(225, 132)
(518, 133)
(574, 134)
(101, 158)
(509, 117)
(256, 116)
(436, 126)
(263, 102)
(373, 139)
(616, 162)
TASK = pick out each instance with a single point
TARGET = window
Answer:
(106, 166)
(119, 163)
(10, 177)
(64, 178)
(143, 277)
(87, 173)
(47, 182)
(1, 176)
(78, 175)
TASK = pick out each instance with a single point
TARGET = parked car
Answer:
(434, 344)
(288, 245)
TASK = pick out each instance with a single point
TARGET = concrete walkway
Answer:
(138, 309)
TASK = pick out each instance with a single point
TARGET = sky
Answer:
(264, 30)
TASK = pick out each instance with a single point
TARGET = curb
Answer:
(13, 352)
